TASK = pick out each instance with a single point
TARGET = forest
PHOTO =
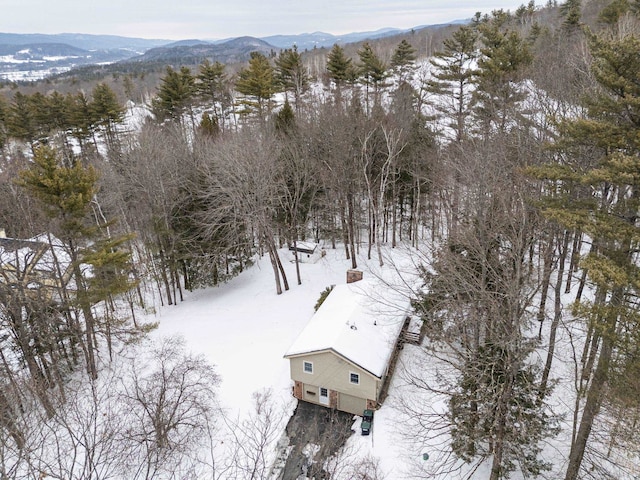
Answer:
(506, 153)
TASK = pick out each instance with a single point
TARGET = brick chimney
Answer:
(354, 276)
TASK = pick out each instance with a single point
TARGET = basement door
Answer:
(324, 396)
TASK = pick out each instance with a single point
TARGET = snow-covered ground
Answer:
(245, 328)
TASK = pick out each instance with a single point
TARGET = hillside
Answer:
(32, 57)
(82, 41)
(194, 52)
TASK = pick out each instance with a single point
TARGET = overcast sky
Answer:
(210, 19)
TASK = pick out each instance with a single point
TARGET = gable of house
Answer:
(331, 370)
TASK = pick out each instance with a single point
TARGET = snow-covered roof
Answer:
(305, 247)
(360, 321)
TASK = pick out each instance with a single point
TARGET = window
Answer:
(354, 378)
(308, 367)
(324, 392)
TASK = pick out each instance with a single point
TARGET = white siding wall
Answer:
(333, 372)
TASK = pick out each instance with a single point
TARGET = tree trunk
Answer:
(354, 263)
(276, 273)
(575, 255)
(345, 231)
(557, 315)
(163, 272)
(372, 230)
(499, 437)
(282, 272)
(594, 396)
(295, 256)
(546, 277)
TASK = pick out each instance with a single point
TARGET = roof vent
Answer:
(353, 327)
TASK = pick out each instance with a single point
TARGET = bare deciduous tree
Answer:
(241, 196)
(169, 405)
(253, 445)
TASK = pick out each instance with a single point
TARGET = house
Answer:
(39, 263)
(343, 356)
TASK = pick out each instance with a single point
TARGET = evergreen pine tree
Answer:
(403, 60)
(608, 215)
(81, 119)
(106, 108)
(59, 112)
(614, 11)
(504, 57)
(453, 76)
(209, 126)
(258, 83)
(212, 86)
(211, 81)
(108, 112)
(477, 418)
(20, 119)
(175, 95)
(372, 71)
(339, 67)
(571, 12)
(41, 115)
(65, 193)
(285, 118)
(292, 74)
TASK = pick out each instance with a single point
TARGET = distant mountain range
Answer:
(35, 56)
(193, 52)
(83, 41)
(321, 39)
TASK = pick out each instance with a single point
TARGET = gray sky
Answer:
(209, 19)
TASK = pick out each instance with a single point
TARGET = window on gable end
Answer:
(354, 378)
(308, 367)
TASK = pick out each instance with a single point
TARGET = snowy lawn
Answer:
(244, 328)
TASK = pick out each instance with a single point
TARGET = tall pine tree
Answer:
(292, 74)
(339, 67)
(258, 83)
(403, 60)
(65, 193)
(372, 71)
(608, 215)
(212, 87)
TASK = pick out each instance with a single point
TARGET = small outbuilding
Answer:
(343, 356)
(308, 252)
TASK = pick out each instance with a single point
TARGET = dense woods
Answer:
(505, 154)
